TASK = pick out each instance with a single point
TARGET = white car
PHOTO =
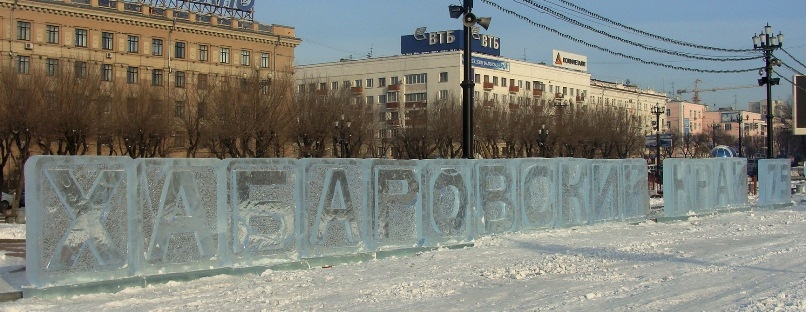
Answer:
(5, 201)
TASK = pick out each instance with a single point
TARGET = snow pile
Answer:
(740, 261)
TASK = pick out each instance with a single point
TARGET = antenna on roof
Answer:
(369, 55)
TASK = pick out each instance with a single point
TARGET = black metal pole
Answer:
(768, 69)
(467, 91)
(657, 141)
(740, 137)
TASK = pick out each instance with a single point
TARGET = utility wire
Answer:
(638, 31)
(611, 51)
(790, 81)
(630, 42)
(793, 58)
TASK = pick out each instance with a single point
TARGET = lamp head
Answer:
(456, 11)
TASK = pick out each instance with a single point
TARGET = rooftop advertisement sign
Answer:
(241, 5)
(423, 41)
(570, 60)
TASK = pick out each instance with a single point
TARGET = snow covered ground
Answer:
(741, 261)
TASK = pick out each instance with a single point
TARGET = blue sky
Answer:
(332, 30)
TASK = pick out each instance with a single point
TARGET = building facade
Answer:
(405, 83)
(173, 50)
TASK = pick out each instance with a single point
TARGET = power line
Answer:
(611, 51)
(640, 45)
(793, 58)
(657, 37)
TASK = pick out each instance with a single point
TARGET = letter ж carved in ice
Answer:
(87, 212)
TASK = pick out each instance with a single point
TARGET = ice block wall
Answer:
(774, 182)
(92, 218)
(696, 186)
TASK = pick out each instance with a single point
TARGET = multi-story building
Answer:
(431, 67)
(141, 42)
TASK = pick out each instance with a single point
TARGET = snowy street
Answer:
(741, 261)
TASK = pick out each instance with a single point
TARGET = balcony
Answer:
(357, 90)
(559, 96)
(321, 92)
(580, 98)
(393, 122)
(513, 106)
(393, 87)
(514, 89)
(488, 86)
(392, 105)
(537, 93)
(488, 103)
(416, 105)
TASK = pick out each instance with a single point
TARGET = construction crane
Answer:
(696, 98)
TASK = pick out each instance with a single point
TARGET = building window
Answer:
(264, 86)
(23, 64)
(357, 83)
(528, 85)
(180, 79)
(477, 78)
(224, 55)
(204, 52)
(156, 47)
(346, 84)
(443, 77)
(106, 72)
(179, 50)
(443, 94)
(179, 109)
(416, 97)
(503, 81)
(382, 82)
(246, 57)
(178, 140)
(52, 34)
(334, 85)
(370, 100)
(369, 83)
(391, 96)
(395, 80)
(131, 74)
(156, 77)
(202, 81)
(382, 99)
(80, 70)
(495, 80)
(81, 38)
(134, 44)
(107, 41)
(51, 67)
(264, 60)
(24, 31)
(416, 78)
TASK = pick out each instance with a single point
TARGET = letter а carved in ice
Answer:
(88, 216)
(180, 211)
(335, 208)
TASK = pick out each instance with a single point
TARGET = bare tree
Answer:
(70, 97)
(142, 119)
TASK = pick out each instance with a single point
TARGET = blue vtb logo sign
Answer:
(241, 5)
(448, 40)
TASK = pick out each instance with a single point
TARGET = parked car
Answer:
(5, 201)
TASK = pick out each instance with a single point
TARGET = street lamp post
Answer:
(544, 133)
(342, 129)
(714, 127)
(767, 42)
(740, 120)
(657, 111)
(469, 20)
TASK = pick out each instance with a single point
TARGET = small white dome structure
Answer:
(723, 151)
